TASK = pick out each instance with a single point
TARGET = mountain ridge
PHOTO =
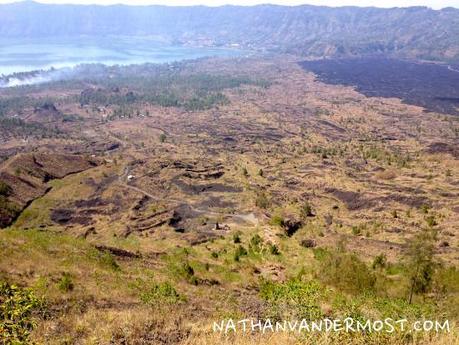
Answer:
(317, 31)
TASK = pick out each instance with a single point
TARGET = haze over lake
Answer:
(23, 55)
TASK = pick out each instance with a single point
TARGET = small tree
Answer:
(162, 138)
(421, 262)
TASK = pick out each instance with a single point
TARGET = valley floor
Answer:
(291, 199)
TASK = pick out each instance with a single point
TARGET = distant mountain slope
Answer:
(415, 32)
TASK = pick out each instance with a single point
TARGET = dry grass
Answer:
(315, 143)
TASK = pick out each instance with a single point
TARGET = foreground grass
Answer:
(92, 297)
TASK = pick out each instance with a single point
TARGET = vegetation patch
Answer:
(346, 272)
(163, 293)
(292, 299)
(18, 308)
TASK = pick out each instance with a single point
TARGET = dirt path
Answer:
(244, 217)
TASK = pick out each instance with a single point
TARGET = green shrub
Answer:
(107, 259)
(273, 249)
(399, 308)
(421, 262)
(394, 269)
(356, 230)
(17, 310)
(193, 280)
(349, 307)
(239, 252)
(431, 221)
(163, 293)
(446, 287)
(346, 272)
(277, 220)
(306, 210)
(446, 280)
(180, 266)
(65, 284)
(380, 261)
(425, 208)
(162, 138)
(255, 243)
(237, 238)
(320, 253)
(186, 271)
(293, 298)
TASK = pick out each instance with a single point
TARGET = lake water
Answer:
(29, 54)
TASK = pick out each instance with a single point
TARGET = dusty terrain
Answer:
(171, 185)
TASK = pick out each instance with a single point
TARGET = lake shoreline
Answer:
(28, 55)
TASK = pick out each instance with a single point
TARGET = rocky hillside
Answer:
(23, 179)
(416, 32)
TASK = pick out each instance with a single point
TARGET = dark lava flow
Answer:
(432, 86)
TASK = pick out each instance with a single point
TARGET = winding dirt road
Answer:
(244, 217)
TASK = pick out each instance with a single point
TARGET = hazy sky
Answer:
(382, 3)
